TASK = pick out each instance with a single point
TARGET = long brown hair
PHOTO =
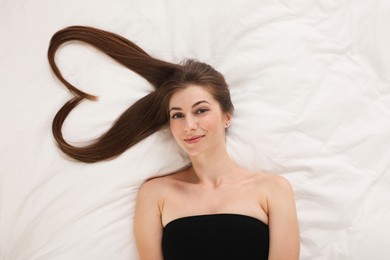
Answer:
(147, 115)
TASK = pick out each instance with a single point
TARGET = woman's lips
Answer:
(193, 139)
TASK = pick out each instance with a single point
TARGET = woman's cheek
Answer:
(174, 130)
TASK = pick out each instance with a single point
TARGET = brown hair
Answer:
(147, 115)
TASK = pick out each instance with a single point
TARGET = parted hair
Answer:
(147, 115)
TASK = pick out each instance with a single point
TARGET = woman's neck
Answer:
(214, 168)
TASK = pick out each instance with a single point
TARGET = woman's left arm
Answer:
(282, 221)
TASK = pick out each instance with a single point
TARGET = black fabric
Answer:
(214, 237)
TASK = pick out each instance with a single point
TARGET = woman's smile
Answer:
(194, 139)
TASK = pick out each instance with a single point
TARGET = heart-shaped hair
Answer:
(147, 115)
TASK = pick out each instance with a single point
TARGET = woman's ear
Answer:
(228, 117)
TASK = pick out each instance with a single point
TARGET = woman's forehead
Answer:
(190, 95)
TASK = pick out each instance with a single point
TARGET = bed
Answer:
(310, 81)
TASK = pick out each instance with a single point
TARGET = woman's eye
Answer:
(177, 115)
(201, 110)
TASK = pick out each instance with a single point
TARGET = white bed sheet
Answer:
(309, 80)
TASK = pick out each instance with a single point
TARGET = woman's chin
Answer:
(193, 152)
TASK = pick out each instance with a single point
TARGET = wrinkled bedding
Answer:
(309, 81)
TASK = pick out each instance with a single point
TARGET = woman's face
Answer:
(196, 120)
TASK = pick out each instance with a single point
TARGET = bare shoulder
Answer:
(158, 185)
(279, 194)
(273, 183)
(152, 194)
(278, 182)
(155, 185)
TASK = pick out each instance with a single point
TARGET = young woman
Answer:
(213, 209)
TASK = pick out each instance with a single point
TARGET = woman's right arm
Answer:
(147, 222)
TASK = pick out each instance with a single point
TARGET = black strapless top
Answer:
(214, 237)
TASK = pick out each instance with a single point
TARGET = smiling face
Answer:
(196, 120)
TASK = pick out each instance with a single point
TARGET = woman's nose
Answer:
(190, 123)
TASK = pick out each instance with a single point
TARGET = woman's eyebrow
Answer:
(200, 102)
(194, 105)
